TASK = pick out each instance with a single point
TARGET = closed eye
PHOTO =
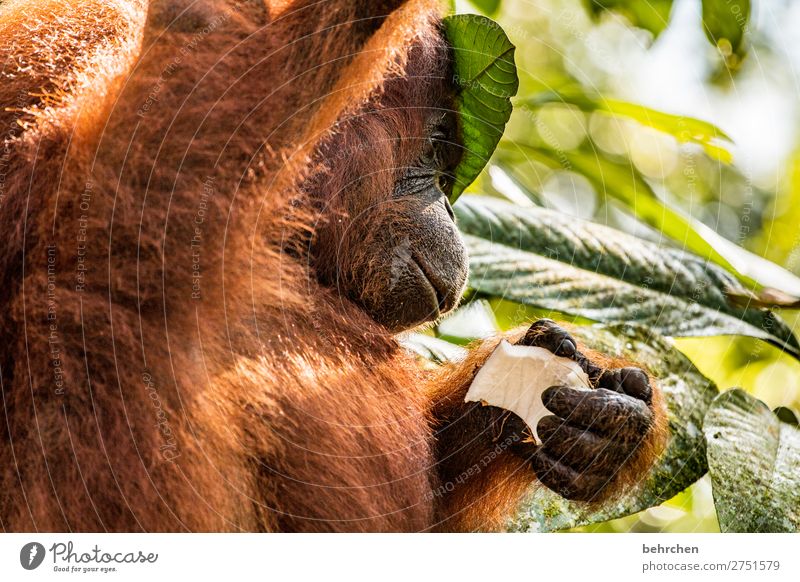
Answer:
(440, 151)
(430, 153)
(444, 182)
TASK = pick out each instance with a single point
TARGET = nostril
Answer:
(449, 208)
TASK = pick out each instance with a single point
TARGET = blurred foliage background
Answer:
(593, 82)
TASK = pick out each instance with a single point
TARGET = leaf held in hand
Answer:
(514, 378)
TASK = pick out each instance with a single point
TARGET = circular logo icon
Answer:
(31, 555)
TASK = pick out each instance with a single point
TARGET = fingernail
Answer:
(636, 384)
(568, 348)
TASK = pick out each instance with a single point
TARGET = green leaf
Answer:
(684, 129)
(473, 320)
(622, 182)
(753, 460)
(687, 393)
(488, 7)
(725, 23)
(486, 79)
(542, 258)
(652, 15)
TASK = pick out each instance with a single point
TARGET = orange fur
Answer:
(167, 365)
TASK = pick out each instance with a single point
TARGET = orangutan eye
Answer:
(430, 152)
(443, 182)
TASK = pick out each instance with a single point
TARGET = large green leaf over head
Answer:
(486, 78)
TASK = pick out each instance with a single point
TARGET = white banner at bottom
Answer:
(406, 557)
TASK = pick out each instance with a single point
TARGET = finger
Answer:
(601, 411)
(567, 482)
(636, 383)
(546, 333)
(593, 371)
(579, 448)
(517, 431)
(631, 381)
